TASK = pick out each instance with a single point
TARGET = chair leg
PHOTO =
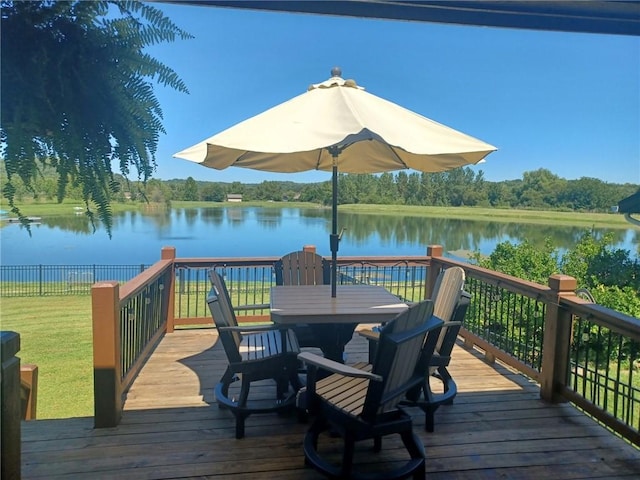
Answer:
(413, 395)
(239, 412)
(416, 450)
(240, 418)
(294, 380)
(282, 386)
(377, 443)
(347, 455)
(420, 472)
(429, 421)
(244, 392)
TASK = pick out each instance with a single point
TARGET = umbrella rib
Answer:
(398, 157)
(319, 157)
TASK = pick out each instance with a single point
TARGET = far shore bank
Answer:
(506, 215)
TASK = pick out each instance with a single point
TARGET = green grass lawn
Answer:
(508, 215)
(55, 334)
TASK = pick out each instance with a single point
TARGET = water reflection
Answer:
(210, 216)
(269, 217)
(79, 224)
(236, 215)
(190, 216)
(248, 231)
(458, 234)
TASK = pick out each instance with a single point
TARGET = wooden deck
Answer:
(497, 428)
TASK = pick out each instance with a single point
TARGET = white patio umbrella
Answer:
(336, 125)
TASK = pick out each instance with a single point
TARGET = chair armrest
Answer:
(253, 328)
(370, 335)
(439, 360)
(451, 324)
(373, 337)
(335, 367)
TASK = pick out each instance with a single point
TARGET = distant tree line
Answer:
(538, 190)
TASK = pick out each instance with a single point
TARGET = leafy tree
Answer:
(387, 191)
(575, 262)
(612, 278)
(237, 187)
(588, 194)
(413, 194)
(523, 260)
(190, 190)
(213, 192)
(269, 190)
(435, 188)
(611, 275)
(347, 189)
(498, 194)
(77, 94)
(317, 193)
(402, 185)
(158, 192)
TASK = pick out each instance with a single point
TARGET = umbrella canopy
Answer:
(337, 125)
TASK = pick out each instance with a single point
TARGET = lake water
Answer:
(250, 231)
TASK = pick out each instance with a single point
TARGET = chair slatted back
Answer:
(445, 344)
(302, 268)
(223, 316)
(402, 343)
(446, 294)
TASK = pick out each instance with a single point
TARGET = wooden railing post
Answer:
(557, 340)
(29, 377)
(11, 414)
(107, 375)
(309, 248)
(432, 271)
(169, 253)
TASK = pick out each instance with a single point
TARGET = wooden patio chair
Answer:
(450, 303)
(255, 353)
(303, 268)
(361, 402)
(425, 397)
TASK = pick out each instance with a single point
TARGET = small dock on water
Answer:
(29, 219)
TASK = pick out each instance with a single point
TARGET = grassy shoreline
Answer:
(505, 215)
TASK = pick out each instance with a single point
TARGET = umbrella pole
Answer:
(333, 238)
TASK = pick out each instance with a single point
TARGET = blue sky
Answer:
(566, 102)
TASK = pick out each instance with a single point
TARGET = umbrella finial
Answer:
(336, 72)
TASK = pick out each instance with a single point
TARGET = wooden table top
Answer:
(352, 304)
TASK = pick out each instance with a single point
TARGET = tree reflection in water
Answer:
(251, 231)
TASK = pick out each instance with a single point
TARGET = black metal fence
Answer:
(38, 280)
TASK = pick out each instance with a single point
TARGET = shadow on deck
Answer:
(171, 428)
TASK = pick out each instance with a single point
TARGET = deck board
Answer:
(172, 428)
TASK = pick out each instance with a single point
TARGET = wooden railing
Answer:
(567, 365)
(510, 319)
(28, 391)
(18, 399)
(128, 323)
(11, 410)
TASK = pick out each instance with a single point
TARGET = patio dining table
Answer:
(333, 319)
